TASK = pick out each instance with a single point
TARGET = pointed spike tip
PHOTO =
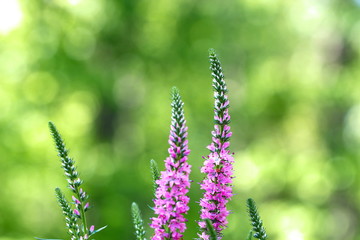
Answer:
(134, 206)
(54, 132)
(174, 92)
(250, 202)
(154, 169)
(51, 126)
(58, 191)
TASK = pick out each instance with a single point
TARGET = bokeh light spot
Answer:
(248, 170)
(352, 127)
(74, 2)
(5, 102)
(10, 15)
(320, 190)
(77, 113)
(40, 87)
(295, 234)
(80, 43)
(34, 128)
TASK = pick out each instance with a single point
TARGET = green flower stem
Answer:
(83, 217)
(211, 230)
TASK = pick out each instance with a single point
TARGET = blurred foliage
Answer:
(103, 70)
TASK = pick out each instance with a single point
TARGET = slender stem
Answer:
(82, 212)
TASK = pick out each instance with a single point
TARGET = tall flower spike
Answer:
(218, 164)
(73, 179)
(138, 222)
(258, 228)
(171, 202)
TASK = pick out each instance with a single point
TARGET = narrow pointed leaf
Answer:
(98, 230)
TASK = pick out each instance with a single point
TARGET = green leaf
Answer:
(98, 230)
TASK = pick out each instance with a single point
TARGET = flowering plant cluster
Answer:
(172, 185)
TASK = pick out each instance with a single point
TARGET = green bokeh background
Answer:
(103, 70)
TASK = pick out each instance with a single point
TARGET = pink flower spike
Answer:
(218, 164)
(92, 228)
(171, 203)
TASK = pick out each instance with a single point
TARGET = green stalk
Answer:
(82, 214)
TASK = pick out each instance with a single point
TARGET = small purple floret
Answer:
(76, 212)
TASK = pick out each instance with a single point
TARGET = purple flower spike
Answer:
(171, 202)
(218, 164)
